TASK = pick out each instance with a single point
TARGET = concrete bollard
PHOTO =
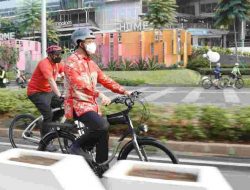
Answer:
(29, 170)
(134, 175)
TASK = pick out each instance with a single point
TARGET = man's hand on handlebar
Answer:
(105, 100)
(127, 93)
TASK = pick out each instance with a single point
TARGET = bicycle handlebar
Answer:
(128, 100)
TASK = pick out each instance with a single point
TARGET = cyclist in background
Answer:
(217, 75)
(234, 74)
(42, 89)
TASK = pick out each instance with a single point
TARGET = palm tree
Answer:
(52, 34)
(29, 15)
(161, 12)
(228, 12)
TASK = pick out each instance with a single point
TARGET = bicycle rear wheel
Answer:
(206, 83)
(153, 151)
(60, 140)
(17, 128)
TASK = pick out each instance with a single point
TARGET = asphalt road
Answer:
(237, 176)
(191, 95)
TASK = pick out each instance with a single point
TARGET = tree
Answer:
(29, 15)
(52, 34)
(228, 12)
(7, 25)
(161, 13)
(8, 55)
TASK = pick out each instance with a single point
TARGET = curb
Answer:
(203, 149)
(190, 148)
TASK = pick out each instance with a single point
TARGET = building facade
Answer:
(29, 52)
(117, 17)
(197, 17)
(166, 46)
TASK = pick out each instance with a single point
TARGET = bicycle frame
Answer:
(131, 130)
(31, 126)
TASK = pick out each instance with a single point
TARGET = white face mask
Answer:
(91, 48)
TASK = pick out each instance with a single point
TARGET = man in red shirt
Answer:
(42, 89)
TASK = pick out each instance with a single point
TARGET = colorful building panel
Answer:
(29, 52)
(167, 46)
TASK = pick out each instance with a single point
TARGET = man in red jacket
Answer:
(42, 89)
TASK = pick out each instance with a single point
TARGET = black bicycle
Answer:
(141, 148)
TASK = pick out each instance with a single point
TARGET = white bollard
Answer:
(34, 170)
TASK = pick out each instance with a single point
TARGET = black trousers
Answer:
(45, 101)
(96, 135)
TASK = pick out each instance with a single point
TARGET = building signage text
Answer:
(7, 36)
(63, 24)
(132, 26)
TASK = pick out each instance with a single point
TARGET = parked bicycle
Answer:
(137, 148)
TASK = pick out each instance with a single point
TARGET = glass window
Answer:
(152, 48)
(144, 6)
(74, 18)
(203, 8)
(119, 38)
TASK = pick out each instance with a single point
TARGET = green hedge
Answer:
(181, 122)
(14, 102)
(225, 71)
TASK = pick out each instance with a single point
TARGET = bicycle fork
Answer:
(140, 152)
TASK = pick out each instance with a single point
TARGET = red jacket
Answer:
(81, 76)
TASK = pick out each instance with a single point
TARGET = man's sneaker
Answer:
(51, 148)
(102, 169)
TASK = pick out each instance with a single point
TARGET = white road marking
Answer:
(192, 96)
(159, 94)
(139, 89)
(231, 96)
(196, 161)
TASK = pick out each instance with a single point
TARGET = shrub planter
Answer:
(29, 170)
(134, 175)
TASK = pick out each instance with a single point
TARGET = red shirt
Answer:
(39, 80)
(81, 77)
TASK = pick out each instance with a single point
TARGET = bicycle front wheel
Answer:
(239, 83)
(19, 138)
(153, 151)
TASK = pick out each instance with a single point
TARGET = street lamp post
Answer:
(43, 29)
